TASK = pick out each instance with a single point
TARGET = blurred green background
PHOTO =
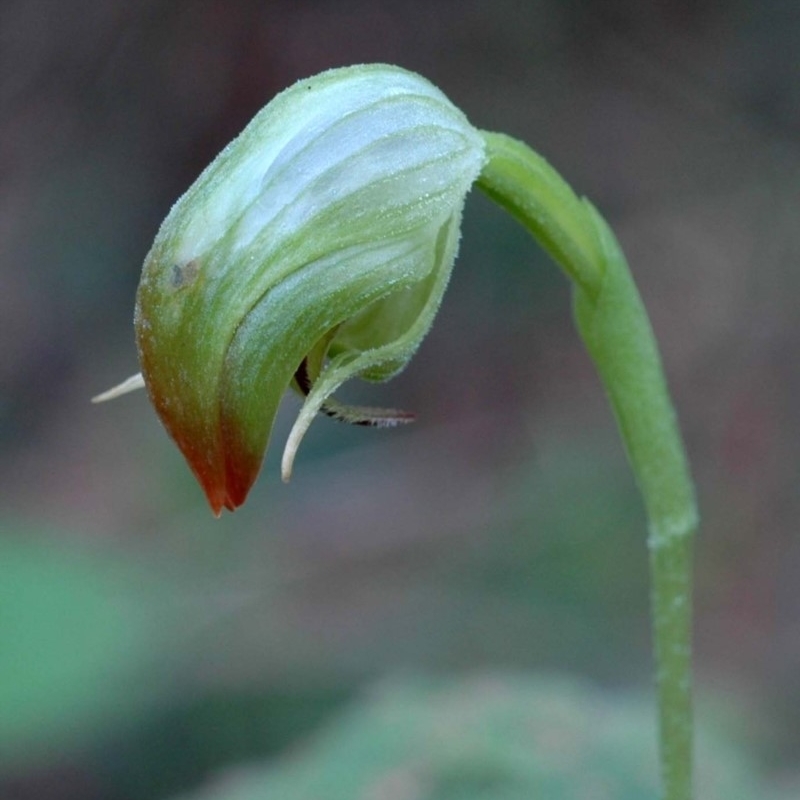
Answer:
(146, 648)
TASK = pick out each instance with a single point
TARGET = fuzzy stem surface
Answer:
(615, 328)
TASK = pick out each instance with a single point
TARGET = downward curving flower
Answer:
(313, 249)
(316, 248)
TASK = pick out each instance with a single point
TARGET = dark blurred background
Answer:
(502, 530)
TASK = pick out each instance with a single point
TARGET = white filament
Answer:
(130, 385)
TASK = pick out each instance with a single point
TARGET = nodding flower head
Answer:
(314, 248)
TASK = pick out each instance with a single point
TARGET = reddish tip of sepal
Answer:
(226, 490)
(215, 490)
(226, 478)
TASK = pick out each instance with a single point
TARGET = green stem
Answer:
(613, 323)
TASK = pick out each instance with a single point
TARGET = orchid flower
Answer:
(316, 248)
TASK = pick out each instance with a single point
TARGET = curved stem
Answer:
(613, 323)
